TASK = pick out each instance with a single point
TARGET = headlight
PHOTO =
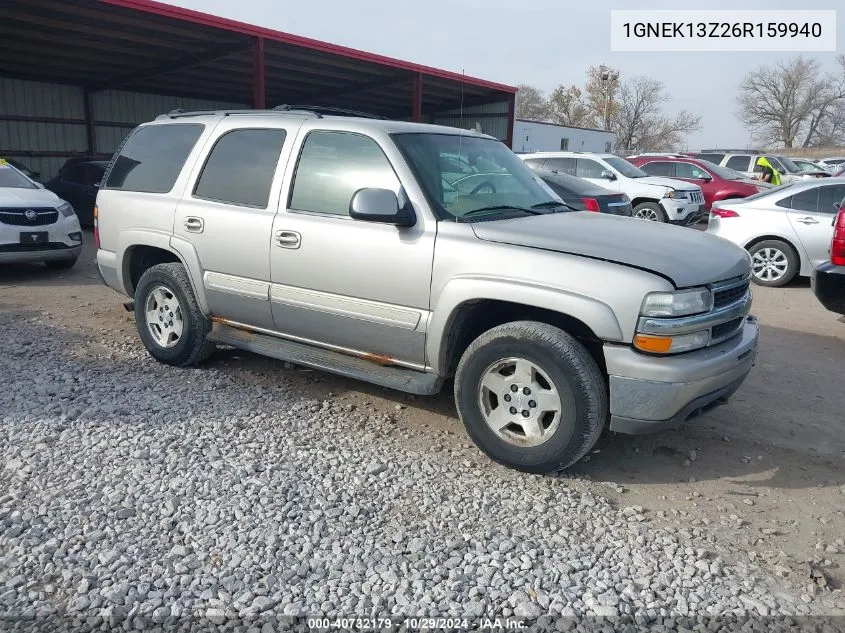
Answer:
(65, 209)
(671, 344)
(678, 195)
(676, 304)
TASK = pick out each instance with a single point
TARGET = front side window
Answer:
(659, 168)
(241, 166)
(74, 175)
(152, 157)
(688, 170)
(499, 184)
(738, 163)
(334, 165)
(586, 168)
(830, 197)
(93, 174)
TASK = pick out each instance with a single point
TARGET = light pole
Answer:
(607, 76)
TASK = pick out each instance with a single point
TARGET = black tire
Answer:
(60, 264)
(570, 369)
(653, 207)
(793, 264)
(192, 347)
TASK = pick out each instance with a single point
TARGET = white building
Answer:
(534, 136)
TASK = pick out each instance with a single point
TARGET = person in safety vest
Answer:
(770, 174)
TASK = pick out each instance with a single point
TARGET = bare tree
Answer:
(639, 121)
(789, 100)
(567, 107)
(531, 104)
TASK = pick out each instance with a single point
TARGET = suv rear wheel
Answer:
(168, 317)
(531, 396)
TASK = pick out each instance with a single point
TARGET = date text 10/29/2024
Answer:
(415, 624)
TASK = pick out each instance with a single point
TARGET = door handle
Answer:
(288, 239)
(807, 220)
(194, 224)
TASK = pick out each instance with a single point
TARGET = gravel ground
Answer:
(144, 493)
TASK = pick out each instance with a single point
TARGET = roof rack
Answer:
(315, 111)
(319, 110)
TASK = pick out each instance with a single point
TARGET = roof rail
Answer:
(319, 110)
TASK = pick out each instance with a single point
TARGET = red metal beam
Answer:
(416, 98)
(259, 86)
(197, 17)
(511, 119)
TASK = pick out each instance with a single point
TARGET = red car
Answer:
(717, 183)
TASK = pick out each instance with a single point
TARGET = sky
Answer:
(542, 43)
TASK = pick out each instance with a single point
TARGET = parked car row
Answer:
(745, 162)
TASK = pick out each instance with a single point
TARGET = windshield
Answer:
(722, 172)
(791, 167)
(805, 166)
(467, 176)
(13, 179)
(625, 168)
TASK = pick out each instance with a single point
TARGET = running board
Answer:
(393, 377)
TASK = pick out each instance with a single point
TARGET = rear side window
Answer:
(240, 167)
(739, 163)
(807, 200)
(563, 165)
(830, 197)
(152, 158)
(333, 166)
(659, 168)
(713, 158)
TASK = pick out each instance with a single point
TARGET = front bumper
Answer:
(650, 393)
(680, 211)
(828, 282)
(64, 241)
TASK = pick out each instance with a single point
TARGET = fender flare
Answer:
(598, 316)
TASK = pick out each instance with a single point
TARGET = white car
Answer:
(786, 230)
(652, 197)
(35, 224)
(832, 164)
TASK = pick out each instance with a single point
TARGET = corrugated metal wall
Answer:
(132, 108)
(492, 118)
(20, 98)
(115, 113)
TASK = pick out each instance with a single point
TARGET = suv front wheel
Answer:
(531, 396)
(168, 317)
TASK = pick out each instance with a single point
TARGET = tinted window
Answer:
(713, 158)
(151, 159)
(739, 163)
(587, 168)
(563, 165)
(807, 200)
(688, 170)
(240, 167)
(74, 174)
(93, 174)
(333, 166)
(830, 197)
(659, 168)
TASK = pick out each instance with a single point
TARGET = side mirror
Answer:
(608, 175)
(380, 205)
(707, 178)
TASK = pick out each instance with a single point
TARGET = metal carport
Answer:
(77, 75)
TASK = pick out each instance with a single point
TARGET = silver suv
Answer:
(406, 254)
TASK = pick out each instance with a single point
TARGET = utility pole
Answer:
(607, 76)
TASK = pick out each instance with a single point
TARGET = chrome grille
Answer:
(18, 217)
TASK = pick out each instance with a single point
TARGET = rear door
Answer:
(227, 215)
(811, 215)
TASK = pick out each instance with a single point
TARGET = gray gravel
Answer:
(140, 492)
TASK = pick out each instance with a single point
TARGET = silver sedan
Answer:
(786, 230)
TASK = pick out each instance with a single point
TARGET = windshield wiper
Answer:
(551, 204)
(500, 207)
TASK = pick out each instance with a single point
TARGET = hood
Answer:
(14, 197)
(671, 183)
(686, 256)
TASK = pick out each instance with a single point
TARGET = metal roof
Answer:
(146, 46)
